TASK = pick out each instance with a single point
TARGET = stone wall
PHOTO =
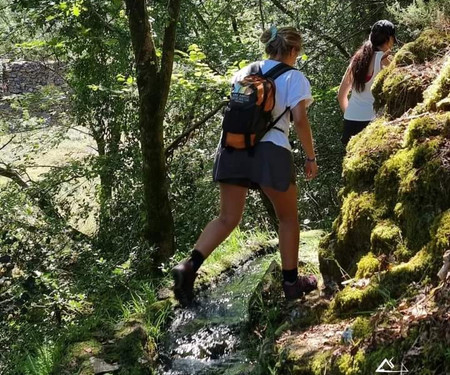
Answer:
(18, 77)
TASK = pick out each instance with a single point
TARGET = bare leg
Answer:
(285, 205)
(232, 201)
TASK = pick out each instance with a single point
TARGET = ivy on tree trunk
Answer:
(153, 80)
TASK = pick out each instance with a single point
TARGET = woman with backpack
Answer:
(268, 165)
(365, 65)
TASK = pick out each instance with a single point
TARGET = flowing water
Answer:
(207, 338)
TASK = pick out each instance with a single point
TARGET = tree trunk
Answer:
(153, 85)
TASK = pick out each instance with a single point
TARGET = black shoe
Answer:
(303, 285)
(184, 277)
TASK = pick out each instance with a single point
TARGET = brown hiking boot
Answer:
(303, 285)
(184, 276)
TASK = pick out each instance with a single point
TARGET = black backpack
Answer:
(248, 115)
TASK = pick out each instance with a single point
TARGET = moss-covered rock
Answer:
(401, 86)
(437, 95)
(77, 357)
(358, 215)
(429, 126)
(362, 328)
(352, 299)
(367, 151)
(403, 90)
(367, 266)
(426, 47)
(340, 251)
(385, 238)
(351, 364)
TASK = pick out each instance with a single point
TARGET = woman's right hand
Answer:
(311, 170)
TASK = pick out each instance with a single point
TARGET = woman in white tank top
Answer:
(366, 63)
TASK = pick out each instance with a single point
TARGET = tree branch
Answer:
(14, 176)
(319, 33)
(169, 47)
(43, 201)
(7, 143)
(178, 140)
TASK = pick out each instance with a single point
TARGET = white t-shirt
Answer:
(360, 104)
(291, 88)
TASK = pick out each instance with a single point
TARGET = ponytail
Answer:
(360, 65)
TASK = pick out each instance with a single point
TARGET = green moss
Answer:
(413, 186)
(385, 238)
(390, 174)
(426, 47)
(367, 151)
(389, 284)
(76, 359)
(358, 214)
(399, 87)
(85, 349)
(320, 362)
(351, 365)
(426, 127)
(436, 96)
(402, 90)
(377, 87)
(440, 241)
(130, 345)
(350, 299)
(328, 265)
(367, 266)
(423, 191)
(362, 328)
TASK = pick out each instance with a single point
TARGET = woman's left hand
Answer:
(311, 170)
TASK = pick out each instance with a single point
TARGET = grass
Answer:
(238, 247)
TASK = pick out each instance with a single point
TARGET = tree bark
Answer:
(153, 82)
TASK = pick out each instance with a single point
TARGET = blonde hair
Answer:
(279, 42)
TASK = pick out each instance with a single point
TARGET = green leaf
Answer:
(76, 10)
(242, 63)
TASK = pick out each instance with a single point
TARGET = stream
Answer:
(207, 338)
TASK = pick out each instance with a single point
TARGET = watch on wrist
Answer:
(311, 160)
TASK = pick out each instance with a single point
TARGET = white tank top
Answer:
(360, 104)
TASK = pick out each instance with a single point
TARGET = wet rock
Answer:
(101, 367)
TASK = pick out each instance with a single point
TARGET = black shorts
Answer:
(352, 128)
(267, 165)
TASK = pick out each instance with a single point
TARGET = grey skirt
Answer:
(268, 165)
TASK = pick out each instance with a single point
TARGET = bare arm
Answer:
(344, 89)
(386, 59)
(304, 134)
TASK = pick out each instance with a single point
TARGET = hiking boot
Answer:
(303, 285)
(184, 276)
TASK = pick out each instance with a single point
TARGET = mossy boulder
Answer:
(368, 150)
(77, 357)
(385, 238)
(367, 266)
(401, 86)
(437, 95)
(402, 90)
(428, 46)
(350, 239)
